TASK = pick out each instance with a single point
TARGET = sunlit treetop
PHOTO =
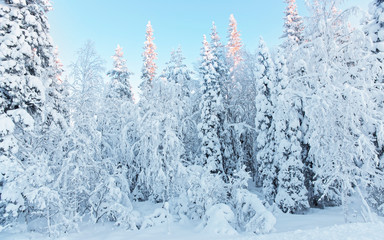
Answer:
(234, 43)
(293, 25)
(149, 57)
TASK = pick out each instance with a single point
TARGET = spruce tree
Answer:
(211, 112)
(293, 24)
(291, 192)
(30, 106)
(227, 132)
(120, 75)
(176, 71)
(117, 122)
(149, 56)
(265, 82)
(234, 44)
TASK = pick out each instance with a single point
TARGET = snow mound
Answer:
(252, 216)
(6, 125)
(160, 216)
(219, 220)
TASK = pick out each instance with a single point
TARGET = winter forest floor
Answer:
(317, 224)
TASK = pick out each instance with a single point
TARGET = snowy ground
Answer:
(318, 224)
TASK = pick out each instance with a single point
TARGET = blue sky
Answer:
(175, 23)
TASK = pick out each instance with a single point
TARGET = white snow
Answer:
(219, 219)
(319, 224)
(6, 125)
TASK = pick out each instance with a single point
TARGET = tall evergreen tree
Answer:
(291, 192)
(30, 104)
(265, 82)
(117, 122)
(375, 27)
(293, 24)
(375, 31)
(227, 132)
(211, 110)
(234, 44)
(120, 75)
(177, 72)
(149, 56)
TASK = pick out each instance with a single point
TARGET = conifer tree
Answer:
(117, 122)
(177, 72)
(291, 192)
(211, 110)
(375, 30)
(149, 56)
(293, 24)
(120, 75)
(265, 82)
(227, 132)
(30, 101)
(234, 42)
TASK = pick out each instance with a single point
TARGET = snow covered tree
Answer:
(291, 192)
(116, 122)
(31, 107)
(234, 42)
(374, 29)
(211, 112)
(338, 108)
(265, 82)
(177, 72)
(149, 56)
(158, 131)
(243, 110)
(117, 126)
(293, 25)
(227, 133)
(166, 137)
(79, 151)
(159, 149)
(120, 75)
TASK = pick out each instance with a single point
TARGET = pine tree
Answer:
(30, 102)
(291, 192)
(234, 43)
(374, 29)
(149, 57)
(117, 123)
(120, 75)
(178, 73)
(227, 132)
(293, 25)
(265, 82)
(211, 110)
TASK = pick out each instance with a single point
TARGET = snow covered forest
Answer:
(243, 138)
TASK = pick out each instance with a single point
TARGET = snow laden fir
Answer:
(226, 146)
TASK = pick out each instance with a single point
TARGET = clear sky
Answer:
(175, 23)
